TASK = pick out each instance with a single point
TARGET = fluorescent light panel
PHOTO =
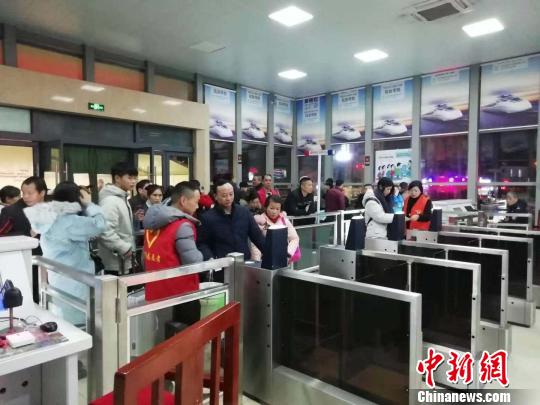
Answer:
(290, 16)
(172, 102)
(139, 110)
(62, 99)
(483, 27)
(92, 88)
(292, 74)
(371, 55)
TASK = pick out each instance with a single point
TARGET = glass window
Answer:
(15, 120)
(221, 158)
(16, 164)
(119, 76)
(170, 87)
(282, 165)
(446, 192)
(307, 166)
(253, 160)
(507, 156)
(444, 158)
(349, 162)
(495, 195)
(143, 166)
(45, 61)
(178, 169)
(404, 174)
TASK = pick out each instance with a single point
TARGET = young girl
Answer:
(272, 215)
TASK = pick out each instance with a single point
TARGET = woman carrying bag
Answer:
(378, 212)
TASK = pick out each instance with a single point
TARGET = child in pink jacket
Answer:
(272, 215)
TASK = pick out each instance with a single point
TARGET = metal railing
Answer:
(107, 314)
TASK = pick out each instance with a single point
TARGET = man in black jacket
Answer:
(227, 227)
(515, 205)
(13, 222)
(300, 202)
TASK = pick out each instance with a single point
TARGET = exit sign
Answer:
(96, 107)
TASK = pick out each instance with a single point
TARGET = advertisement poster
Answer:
(283, 120)
(222, 106)
(349, 116)
(445, 103)
(395, 164)
(254, 114)
(509, 93)
(311, 123)
(392, 109)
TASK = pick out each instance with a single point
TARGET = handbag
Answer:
(297, 253)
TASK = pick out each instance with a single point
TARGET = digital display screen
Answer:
(355, 341)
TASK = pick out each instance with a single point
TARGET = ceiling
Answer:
(257, 48)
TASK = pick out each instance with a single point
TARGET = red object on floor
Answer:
(143, 398)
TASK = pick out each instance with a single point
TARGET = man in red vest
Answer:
(266, 190)
(417, 207)
(169, 241)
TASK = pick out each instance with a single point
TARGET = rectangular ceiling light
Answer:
(172, 102)
(92, 88)
(290, 16)
(62, 99)
(292, 74)
(483, 27)
(139, 110)
(371, 56)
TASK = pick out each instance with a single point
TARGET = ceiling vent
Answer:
(432, 10)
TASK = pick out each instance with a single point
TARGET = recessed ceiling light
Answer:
(139, 110)
(172, 102)
(92, 87)
(483, 27)
(62, 99)
(292, 74)
(371, 56)
(290, 16)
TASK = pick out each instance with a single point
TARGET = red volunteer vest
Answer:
(418, 209)
(160, 254)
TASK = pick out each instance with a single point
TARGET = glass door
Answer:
(52, 167)
(16, 164)
(177, 168)
(149, 163)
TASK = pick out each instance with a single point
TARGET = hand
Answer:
(85, 197)
(139, 214)
(415, 217)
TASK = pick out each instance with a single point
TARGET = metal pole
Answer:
(319, 157)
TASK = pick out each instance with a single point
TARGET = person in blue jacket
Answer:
(227, 226)
(66, 225)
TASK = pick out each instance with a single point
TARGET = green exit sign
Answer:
(96, 107)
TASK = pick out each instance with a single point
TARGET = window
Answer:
(45, 61)
(349, 162)
(446, 192)
(253, 160)
(170, 87)
(507, 156)
(307, 166)
(495, 195)
(221, 155)
(282, 164)
(16, 164)
(118, 76)
(15, 120)
(444, 159)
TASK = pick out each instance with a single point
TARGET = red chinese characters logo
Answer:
(461, 368)
(429, 365)
(494, 367)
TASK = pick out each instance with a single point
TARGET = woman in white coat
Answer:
(378, 209)
(273, 215)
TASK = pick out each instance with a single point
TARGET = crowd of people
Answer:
(183, 225)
